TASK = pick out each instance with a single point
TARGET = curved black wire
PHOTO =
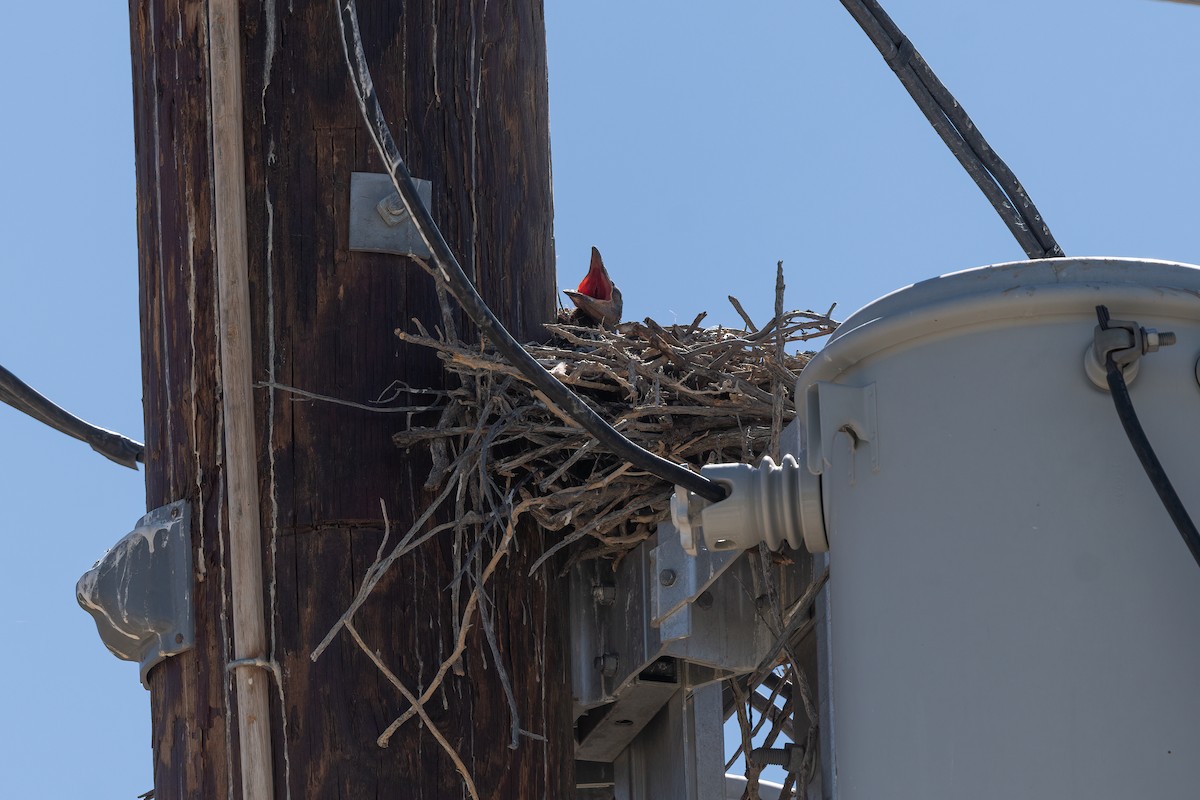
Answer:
(950, 120)
(113, 446)
(1145, 453)
(460, 286)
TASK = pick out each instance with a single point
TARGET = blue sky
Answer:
(693, 145)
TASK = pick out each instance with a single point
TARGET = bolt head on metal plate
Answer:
(379, 222)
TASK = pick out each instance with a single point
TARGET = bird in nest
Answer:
(597, 299)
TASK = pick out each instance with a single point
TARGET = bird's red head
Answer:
(596, 283)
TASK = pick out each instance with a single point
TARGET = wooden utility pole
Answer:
(464, 84)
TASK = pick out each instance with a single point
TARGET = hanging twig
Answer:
(408, 695)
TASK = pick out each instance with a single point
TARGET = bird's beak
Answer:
(605, 312)
(580, 299)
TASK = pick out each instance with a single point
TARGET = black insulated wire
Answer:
(950, 120)
(1145, 453)
(113, 446)
(461, 288)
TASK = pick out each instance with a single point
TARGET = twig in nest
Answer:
(737, 306)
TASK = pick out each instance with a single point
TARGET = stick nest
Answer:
(500, 450)
(688, 393)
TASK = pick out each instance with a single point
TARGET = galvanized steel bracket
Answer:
(836, 408)
(679, 578)
(625, 667)
(140, 592)
(378, 221)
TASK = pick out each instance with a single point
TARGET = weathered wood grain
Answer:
(464, 84)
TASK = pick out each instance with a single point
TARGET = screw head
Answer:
(705, 601)
(667, 577)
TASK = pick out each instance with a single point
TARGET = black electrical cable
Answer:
(950, 120)
(1145, 453)
(113, 446)
(460, 286)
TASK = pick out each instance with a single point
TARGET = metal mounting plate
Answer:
(715, 634)
(140, 592)
(371, 195)
(689, 575)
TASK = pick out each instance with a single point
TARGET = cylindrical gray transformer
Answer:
(1011, 612)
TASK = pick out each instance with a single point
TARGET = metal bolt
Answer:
(705, 601)
(391, 210)
(1152, 340)
(667, 577)
(762, 601)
